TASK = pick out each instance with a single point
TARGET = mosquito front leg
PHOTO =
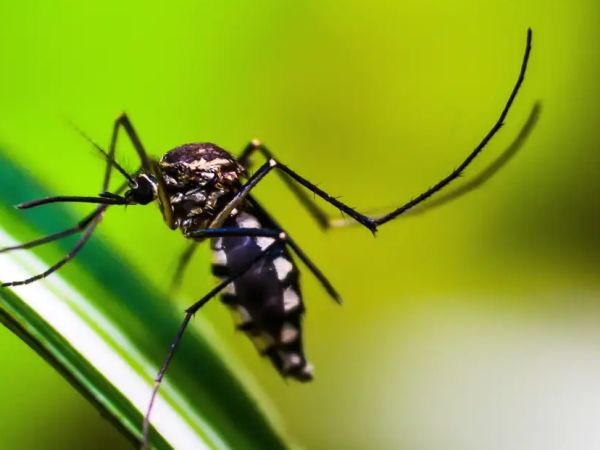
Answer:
(123, 122)
(82, 225)
(88, 224)
(68, 257)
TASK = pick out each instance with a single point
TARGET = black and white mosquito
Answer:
(205, 192)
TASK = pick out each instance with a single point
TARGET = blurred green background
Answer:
(473, 326)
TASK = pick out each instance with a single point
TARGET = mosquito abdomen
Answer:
(266, 301)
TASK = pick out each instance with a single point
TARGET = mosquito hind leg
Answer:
(189, 313)
(275, 234)
(371, 223)
(300, 253)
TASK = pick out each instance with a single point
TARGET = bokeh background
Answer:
(476, 325)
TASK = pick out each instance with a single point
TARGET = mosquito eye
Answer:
(145, 191)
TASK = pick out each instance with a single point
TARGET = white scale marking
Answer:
(283, 267)
(229, 289)
(291, 300)
(308, 369)
(289, 360)
(289, 333)
(219, 257)
(262, 342)
(246, 220)
(242, 316)
(264, 242)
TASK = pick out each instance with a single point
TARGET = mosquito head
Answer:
(199, 179)
(144, 190)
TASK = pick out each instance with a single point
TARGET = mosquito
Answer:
(206, 193)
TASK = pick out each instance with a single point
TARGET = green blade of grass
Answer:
(16, 315)
(106, 330)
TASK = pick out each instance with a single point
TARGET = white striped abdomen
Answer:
(266, 300)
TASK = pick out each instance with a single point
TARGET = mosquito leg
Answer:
(326, 222)
(235, 231)
(373, 222)
(187, 254)
(490, 170)
(305, 200)
(189, 312)
(69, 256)
(477, 181)
(315, 271)
(296, 248)
(275, 234)
(90, 222)
(252, 147)
(55, 236)
(123, 122)
(459, 170)
(97, 215)
(292, 176)
(242, 194)
(148, 166)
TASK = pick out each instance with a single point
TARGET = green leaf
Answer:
(106, 330)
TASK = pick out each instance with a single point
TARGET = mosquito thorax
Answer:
(199, 179)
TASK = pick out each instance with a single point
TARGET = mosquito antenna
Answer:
(110, 160)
